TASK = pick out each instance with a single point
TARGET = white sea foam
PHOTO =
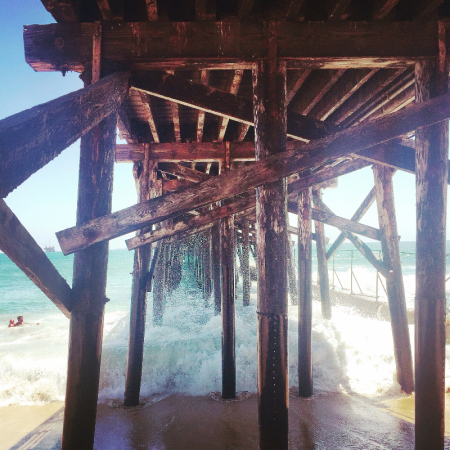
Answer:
(351, 353)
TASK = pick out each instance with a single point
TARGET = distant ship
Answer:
(49, 248)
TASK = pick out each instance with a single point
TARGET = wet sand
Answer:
(174, 422)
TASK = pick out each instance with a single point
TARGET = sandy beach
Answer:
(174, 422)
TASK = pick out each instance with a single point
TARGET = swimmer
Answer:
(11, 323)
(21, 322)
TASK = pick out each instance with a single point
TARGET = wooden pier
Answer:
(234, 114)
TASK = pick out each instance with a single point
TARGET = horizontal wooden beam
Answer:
(32, 138)
(22, 249)
(234, 182)
(183, 172)
(234, 45)
(175, 88)
(186, 225)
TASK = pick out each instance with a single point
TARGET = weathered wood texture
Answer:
(145, 177)
(228, 308)
(176, 88)
(23, 250)
(322, 267)
(305, 380)
(359, 214)
(89, 288)
(292, 280)
(171, 45)
(215, 266)
(184, 172)
(394, 285)
(431, 202)
(250, 176)
(32, 138)
(269, 94)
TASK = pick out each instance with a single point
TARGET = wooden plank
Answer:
(89, 289)
(176, 121)
(32, 138)
(314, 88)
(204, 77)
(366, 92)
(23, 250)
(347, 84)
(253, 175)
(337, 9)
(105, 10)
(234, 87)
(322, 268)
(96, 52)
(151, 121)
(175, 88)
(359, 214)
(269, 95)
(394, 285)
(430, 304)
(173, 45)
(184, 172)
(295, 83)
(305, 379)
(381, 8)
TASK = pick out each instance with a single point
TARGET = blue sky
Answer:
(46, 202)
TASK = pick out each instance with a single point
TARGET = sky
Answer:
(46, 202)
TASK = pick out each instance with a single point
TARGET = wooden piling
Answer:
(322, 267)
(246, 283)
(431, 202)
(394, 284)
(145, 176)
(89, 289)
(228, 306)
(292, 280)
(215, 257)
(269, 93)
(159, 286)
(305, 381)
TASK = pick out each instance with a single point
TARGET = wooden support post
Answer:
(322, 266)
(394, 284)
(89, 288)
(145, 176)
(246, 282)
(208, 281)
(292, 281)
(228, 305)
(159, 289)
(269, 93)
(305, 381)
(431, 201)
(215, 256)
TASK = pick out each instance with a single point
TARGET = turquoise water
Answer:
(350, 352)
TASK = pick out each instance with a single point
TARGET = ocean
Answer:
(351, 353)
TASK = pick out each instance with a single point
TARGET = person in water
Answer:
(19, 322)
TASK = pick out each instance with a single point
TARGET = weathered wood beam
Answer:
(176, 121)
(105, 10)
(366, 92)
(360, 245)
(394, 285)
(347, 84)
(315, 87)
(430, 302)
(231, 44)
(245, 269)
(234, 87)
(89, 289)
(151, 121)
(305, 379)
(66, 11)
(208, 217)
(175, 88)
(253, 175)
(322, 267)
(184, 172)
(32, 138)
(125, 128)
(359, 214)
(22, 249)
(337, 9)
(295, 83)
(204, 78)
(381, 8)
